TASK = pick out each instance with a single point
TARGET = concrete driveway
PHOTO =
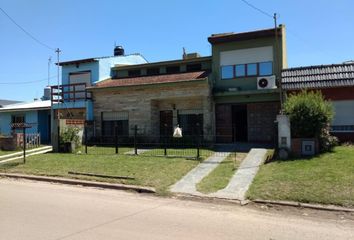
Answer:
(33, 210)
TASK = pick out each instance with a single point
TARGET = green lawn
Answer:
(155, 172)
(186, 152)
(2, 152)
(103, 150)
(326, 179)
(221, 175)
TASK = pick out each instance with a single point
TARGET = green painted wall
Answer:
(246, 83)
(246, 98)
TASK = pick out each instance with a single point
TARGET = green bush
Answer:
(310, 117)
(70, 134)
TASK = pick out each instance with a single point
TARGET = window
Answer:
(153, 71)
(227, 72)
(77, 78)
(172, 69)
(191, 122)
(134, 73)
(194, 67)
(240, 70)
(112, 119)
(252, 69)
(247, 70)
(265, 68)
(17, 119)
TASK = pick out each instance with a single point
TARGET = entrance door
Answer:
(166, 123)
(239, 123)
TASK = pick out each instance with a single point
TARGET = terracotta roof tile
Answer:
(148, 80)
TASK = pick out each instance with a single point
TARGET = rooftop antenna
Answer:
(49, 62)
(184, 53)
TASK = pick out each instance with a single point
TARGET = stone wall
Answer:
(261, 121)
(144, 104)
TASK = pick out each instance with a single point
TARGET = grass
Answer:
(221, 175)
(155, 172)
(103, 150)
(325, 179)
(2, 152)
(185, 152)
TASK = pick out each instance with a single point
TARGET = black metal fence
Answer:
(189, 146)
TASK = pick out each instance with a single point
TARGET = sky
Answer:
(318, 32)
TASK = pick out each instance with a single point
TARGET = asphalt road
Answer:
(33, 210)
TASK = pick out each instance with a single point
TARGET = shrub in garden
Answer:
(310, 116)
(70, 134)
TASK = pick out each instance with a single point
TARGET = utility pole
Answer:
(58, 80)
(49, 62)
(277, 62)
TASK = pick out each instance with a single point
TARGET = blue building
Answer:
(71, 101)
(70, 97)
(36, 113)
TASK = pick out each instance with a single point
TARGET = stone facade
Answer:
(261, 121)
(144, 103)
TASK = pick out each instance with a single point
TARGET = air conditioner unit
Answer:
(266, 82)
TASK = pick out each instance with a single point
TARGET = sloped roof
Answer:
(156, 79)
(35, 105)
(322, 76)
(4, 102)
(130, 58)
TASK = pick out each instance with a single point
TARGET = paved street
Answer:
(33, 210)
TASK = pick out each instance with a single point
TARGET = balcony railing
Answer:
(69, 93)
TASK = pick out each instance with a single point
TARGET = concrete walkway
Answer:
(29, 153)
(242, 179)
(187, 184)
(239, 183)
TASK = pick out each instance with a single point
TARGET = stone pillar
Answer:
(284, 133)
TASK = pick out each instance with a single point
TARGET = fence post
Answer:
(135, 140)
(198, 141)
(165, 140)
(58, 140)
(85, 129)
(24, 144)
(116, 137)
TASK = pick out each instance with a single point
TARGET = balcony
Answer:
(69, 96)
(69, 93)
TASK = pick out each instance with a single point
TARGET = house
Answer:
(36, 114)
(4, 102)
(70, 97)
(156, 97)
(71, 102)
(336, 82)
(229, 96)
(245, 71)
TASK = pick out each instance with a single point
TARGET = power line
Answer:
(288, 30)
(27, 82)
(26, 32)
(257, 9)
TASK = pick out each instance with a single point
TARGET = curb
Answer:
(305, 205)
(80, 182)
(201, 198)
